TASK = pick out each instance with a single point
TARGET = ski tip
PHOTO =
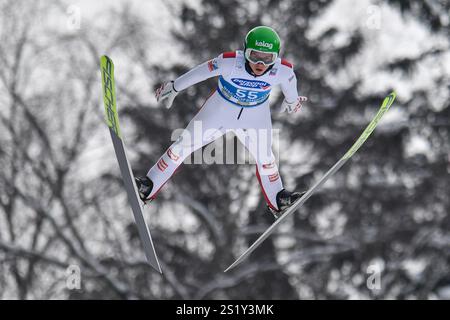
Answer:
(234, 264)
(393, 94)
(390, 98)
(105, 60)
(105, 57)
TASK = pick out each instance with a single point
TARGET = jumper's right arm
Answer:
(198, 74)
(206, 70)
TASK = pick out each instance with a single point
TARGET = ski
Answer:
(112, 120)
(387, 102)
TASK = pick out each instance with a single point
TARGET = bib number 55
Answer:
(246, 94)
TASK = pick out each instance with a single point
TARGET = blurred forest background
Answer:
(63, 207)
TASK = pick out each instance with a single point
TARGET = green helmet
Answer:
(264, 40)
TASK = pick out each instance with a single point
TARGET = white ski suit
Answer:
(240, 104)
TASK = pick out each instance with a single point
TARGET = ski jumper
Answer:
(239, 104)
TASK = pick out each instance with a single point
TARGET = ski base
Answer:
(387, 102)
(112, 120)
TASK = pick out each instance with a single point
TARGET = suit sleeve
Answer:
(206, 70)
(289, 84)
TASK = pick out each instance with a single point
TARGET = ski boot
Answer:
(284, 200)
(145, 187)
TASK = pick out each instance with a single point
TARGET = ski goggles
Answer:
(256, 56)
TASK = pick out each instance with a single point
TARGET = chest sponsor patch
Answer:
(242, 92)
(254, 84)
